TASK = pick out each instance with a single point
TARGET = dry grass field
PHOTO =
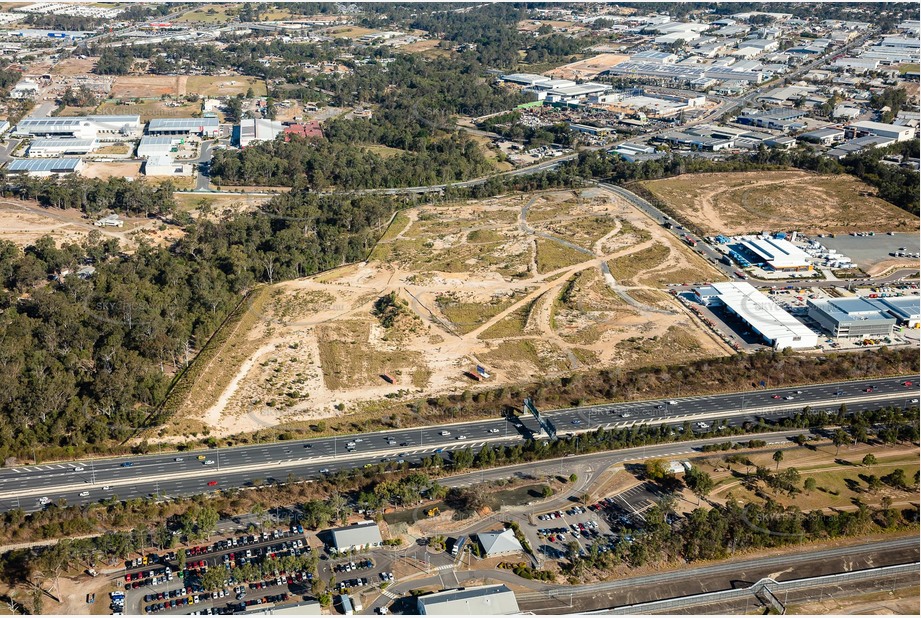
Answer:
(513, 283)
(588, 68)
(211, 14)
(223, 85)
(152, 109)
(840, 479)
(22, 222)
(735, 203)
(144, 86)
(74, 66)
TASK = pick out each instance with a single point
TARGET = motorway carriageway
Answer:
(179, 474)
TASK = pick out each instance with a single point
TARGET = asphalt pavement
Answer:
(196, 472)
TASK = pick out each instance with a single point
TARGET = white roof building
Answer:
(882, 129)
(500, 543)
(760, 313)
(905, 309)
(44, 167)
(25, 89)
(52, 147)
(84, 127)
(360, 536)
(525, 79)
(777, 253)
(165, 165)
(184, 126)
(258, 130)
(491, 600)
(151, 145)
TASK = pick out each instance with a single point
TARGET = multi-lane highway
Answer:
(189, 473)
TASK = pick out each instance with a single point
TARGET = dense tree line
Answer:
(88, 360)
(8, 78)
(114, 61)
(722, 531)
(320, 164)
(93, 196)
(52, 21)
(893, 98)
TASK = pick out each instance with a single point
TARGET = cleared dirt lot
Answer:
(74, 66)
(125, 169)
(144, 86)
(22, 222)
(469, 286)
(217, 85)
(588, 68)
(744, 202)
(152, 109)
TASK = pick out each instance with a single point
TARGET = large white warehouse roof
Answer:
(779, 253)
(763, 315)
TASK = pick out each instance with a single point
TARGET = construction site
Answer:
(456, 297)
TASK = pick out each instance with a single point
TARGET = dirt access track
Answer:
(22, 222)
(521, 285)
(748, 202)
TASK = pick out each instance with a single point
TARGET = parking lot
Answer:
(171, 582)
(602, 523)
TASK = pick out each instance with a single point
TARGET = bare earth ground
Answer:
(24, 221)
(131, 169)
(144, 86)
(151, 109)
(745, 202)
(513, 283)
(224, 85)
(588, 68)
(215, 206)
(74, 66)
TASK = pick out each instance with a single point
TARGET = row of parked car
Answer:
(357, 582)
(347, 567)
(249, 603)
(165, 571)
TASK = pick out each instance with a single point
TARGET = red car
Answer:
(775, 396)
(868, 389)
(907, 383)
(212, 483)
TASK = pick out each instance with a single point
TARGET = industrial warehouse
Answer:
(206, 127)
(490, 600)
(762, 315)
(82, 127)
(773, 253)
(54, 147)
(851, 317)
(44, 167)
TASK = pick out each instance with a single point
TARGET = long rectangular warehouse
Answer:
(44, 167)
(53, 147)
(84, 127)
(184, 126)
(765, 317)
(777, 253)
